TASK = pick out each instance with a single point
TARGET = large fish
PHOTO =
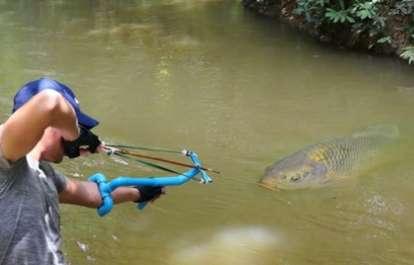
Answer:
(323, 163)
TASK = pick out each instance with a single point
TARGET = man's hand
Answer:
(87, 141)
(149, 193)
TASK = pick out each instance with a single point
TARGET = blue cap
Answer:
(33, 87)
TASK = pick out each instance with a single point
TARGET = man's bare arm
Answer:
(85, 193)
(21, 132)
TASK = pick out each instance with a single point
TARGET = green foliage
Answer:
(368, 17)
(310, 9)
(365, 10)
(386, 39)
(403, 7)
(341, 16)
(408, 54)
(336, 11)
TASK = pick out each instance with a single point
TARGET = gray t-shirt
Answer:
(29, 208)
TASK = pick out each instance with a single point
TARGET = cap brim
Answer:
(86, 120)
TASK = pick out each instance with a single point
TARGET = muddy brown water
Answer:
(240, 90)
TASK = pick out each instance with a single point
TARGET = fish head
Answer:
(294, 172)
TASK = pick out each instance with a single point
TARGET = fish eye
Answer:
(295, 178)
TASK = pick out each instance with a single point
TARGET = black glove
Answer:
(86, 140)
(148, 193)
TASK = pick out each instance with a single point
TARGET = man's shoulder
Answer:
(58, 179)
(47, 168)
(6, 164)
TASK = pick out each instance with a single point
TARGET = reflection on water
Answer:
(245, 245)
(243, 92)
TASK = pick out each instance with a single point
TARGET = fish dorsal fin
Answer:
(384, 130)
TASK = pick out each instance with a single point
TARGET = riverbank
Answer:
(382, 27)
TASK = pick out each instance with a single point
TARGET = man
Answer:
(46, 125)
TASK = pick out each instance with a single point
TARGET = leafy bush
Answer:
(326, 11)
(403, 7)
(408, 54)
(371, 18)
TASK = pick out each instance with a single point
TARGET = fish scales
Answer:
(339, 155)
(320, 163)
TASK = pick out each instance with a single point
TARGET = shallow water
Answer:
(240, 90)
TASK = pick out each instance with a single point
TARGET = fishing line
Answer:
(152, 149)
(112, 149)
(123, 151)
(149, 164)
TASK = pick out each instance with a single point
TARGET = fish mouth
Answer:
(266, 186)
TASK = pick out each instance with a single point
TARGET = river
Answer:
(242, 91)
